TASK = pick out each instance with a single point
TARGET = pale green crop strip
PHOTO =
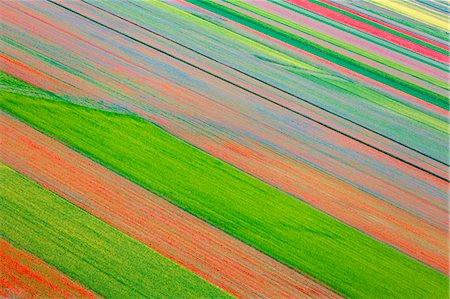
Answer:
(339, 43)
(246, 41)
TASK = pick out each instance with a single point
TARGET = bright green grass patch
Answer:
(101, 257)
(254, 212)
(11, 84)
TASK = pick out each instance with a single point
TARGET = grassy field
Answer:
(336, 42)
(262, 216)
(321, 51)
(26, 276)
(87, 249)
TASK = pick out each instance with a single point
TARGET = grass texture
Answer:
(87, 249)
(260, 215)
(325, 53)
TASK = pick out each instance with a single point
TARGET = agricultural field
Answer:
(218, 149)
(87, 249)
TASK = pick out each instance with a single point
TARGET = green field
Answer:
(252, 211)
(330, 55)
(334, 41)
(101, 257)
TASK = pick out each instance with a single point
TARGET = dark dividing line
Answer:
(266, 83)
(251, 92)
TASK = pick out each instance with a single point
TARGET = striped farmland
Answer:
(211, 149)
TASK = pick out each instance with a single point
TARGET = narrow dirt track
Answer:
(25, 276)
(201, 248)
